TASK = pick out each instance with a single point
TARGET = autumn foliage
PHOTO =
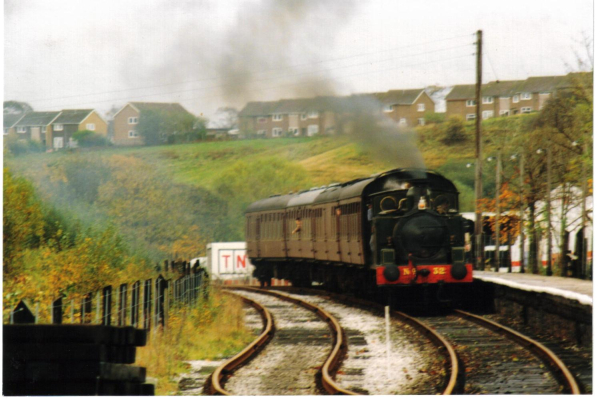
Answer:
(44, 257)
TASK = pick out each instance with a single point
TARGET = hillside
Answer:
(171, 200)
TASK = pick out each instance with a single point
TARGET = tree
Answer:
(225, 117)
(158, 127)
(15, 107)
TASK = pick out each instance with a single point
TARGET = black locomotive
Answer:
(400, 228)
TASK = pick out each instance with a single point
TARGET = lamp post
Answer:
(521, 231)
(548, 208)
(497, 225)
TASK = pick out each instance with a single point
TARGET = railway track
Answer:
(499, 360)
(479, 355)
(304, 351)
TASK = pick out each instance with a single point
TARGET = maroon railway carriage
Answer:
(413, 235)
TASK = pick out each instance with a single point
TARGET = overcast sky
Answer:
(207, 54)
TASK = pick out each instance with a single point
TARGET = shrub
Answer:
(455, 131)
(17, 146)
(434, 118)
(86, 139)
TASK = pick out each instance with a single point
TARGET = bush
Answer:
(86, 139)
(434, 118)
(455, 131)
(17, 146)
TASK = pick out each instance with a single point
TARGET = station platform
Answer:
(558, 306)
(569, 288)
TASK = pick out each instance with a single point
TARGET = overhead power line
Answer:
(262, 71)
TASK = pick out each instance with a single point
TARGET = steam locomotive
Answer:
(398, 229)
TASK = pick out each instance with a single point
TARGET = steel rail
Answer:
(437, 339)
(561, 372)
(339, 348)
(214, 384)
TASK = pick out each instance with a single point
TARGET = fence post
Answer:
(57, 311)
(72, 311)
(98, 309)
(106, 316)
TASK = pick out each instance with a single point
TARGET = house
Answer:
(60, 131)
(503, 98)
(35, 125)
(297, 117)
(407, 107)
(9, 121)
(127, 119)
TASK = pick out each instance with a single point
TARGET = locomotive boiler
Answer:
(398, 229)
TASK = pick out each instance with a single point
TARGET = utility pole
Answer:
(479, 164)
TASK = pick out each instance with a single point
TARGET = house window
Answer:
(261, 120)
(421, 121)
(487, 100)
(487, 114)
(470, 103)
(516, 99)
(43, 129)
(133, 134)
(504, 113)
(303, 116)
(388, 108)
(313, 129)
(525, 109)
(402, 122)
(294, 131)
(525, 95)
(421, 107)
(277, 117)
(261, 132)
(6, 131)
(132, 120)
(58, 127)
(313, 114)
(470, 117)
(21, 130)
(91, 127)
(276, 132)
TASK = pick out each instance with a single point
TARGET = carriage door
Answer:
(258, 243)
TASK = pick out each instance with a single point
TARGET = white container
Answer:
(228, 263)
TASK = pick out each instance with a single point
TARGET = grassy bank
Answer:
(212, 330)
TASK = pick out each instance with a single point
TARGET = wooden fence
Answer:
(143, 304)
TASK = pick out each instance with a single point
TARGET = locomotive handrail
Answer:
(562, 372)
(218, 377)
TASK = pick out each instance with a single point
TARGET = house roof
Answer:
(36, 118)
(164, 107)
(9, 120)
(542, 84)
(403, 96)
(326, 103)
(509, 88)
(72, 116)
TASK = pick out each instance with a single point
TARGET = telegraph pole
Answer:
(479, 260)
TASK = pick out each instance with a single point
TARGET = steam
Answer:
(363, 121)
(273, 43)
